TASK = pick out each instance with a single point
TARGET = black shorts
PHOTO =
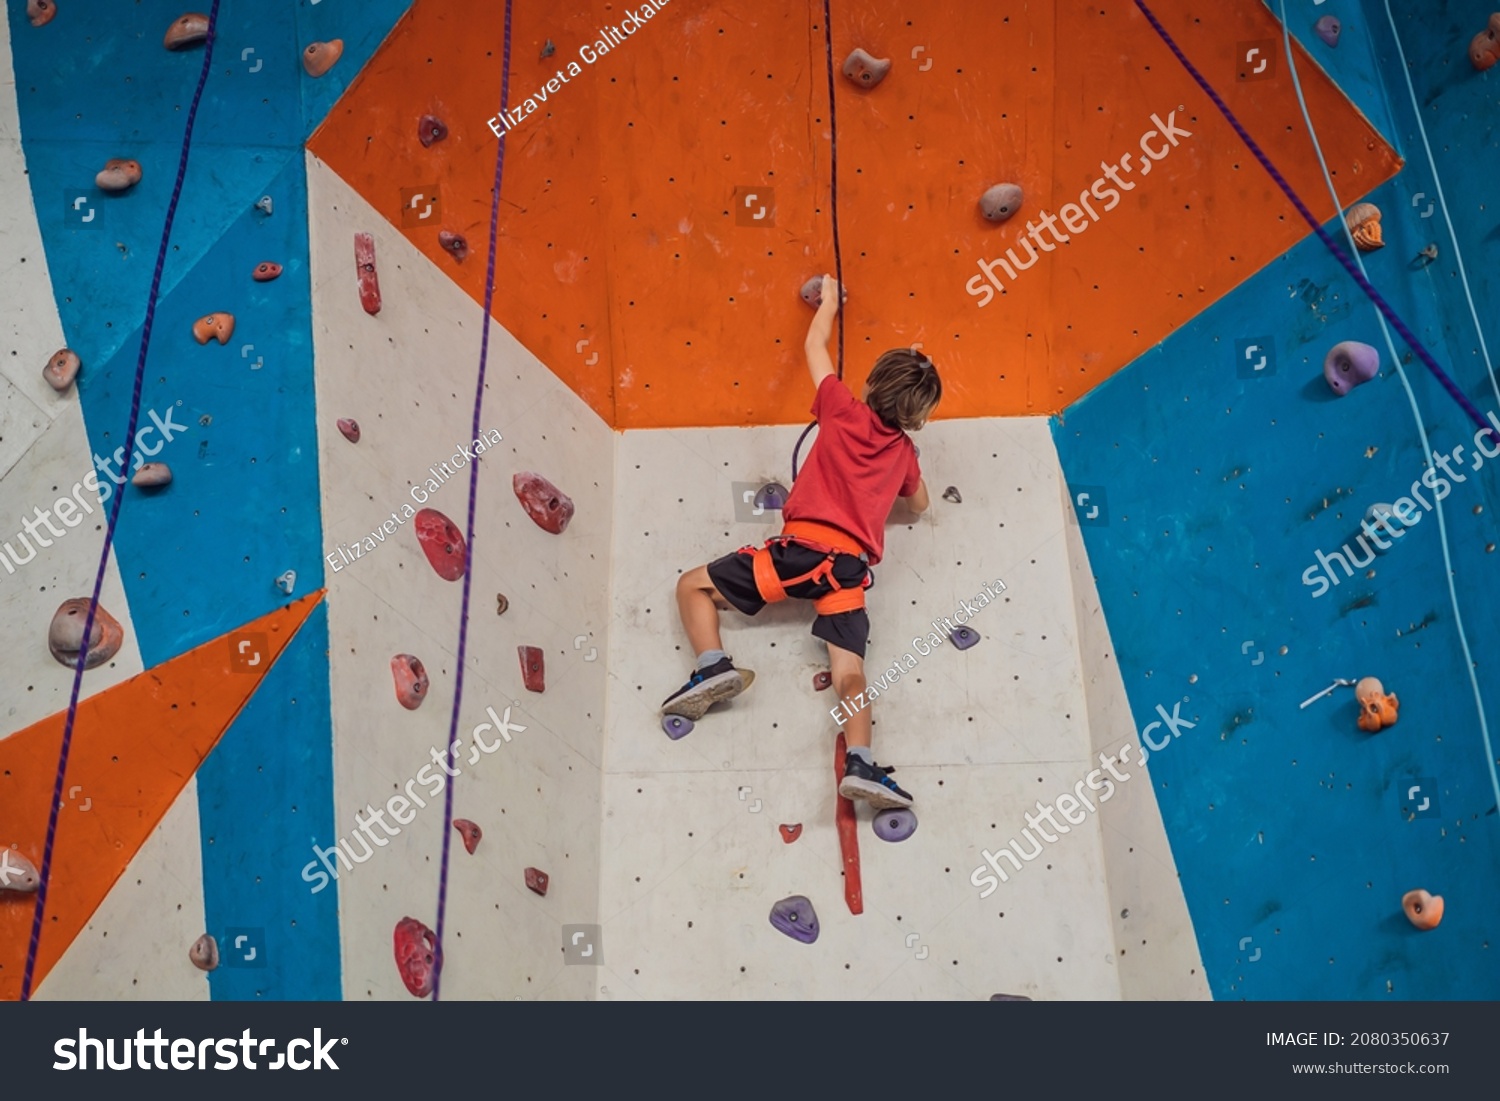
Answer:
(734, 577)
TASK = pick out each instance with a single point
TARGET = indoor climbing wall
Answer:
(334, 710)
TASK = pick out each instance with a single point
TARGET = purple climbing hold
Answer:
(1329, 28)
(771, 496)
(964, 637)
(796, 918)
(676, 726)
(1349, 364)
(895, 824)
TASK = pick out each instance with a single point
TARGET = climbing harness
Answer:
(822, 539)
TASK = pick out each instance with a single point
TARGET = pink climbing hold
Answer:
(1329, 28)
(865, 70)
(152, 476)
(442, 543)
(40, 12)
(471, 834)
(62, 369)
(1350, 364)
(369, 282)
(265, 271)
(454, 244)
(1000, 202)
(790, 833)
(349, 428)
(17, 873)
(65, 635)
(416, 953)
(549, 506)
(533, 668)
(430, 128)
(118, 175)
(537, 881)
(204, 953)
(188, 29)
(410, 677)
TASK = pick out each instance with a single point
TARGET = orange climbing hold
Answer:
(319, 57)
(187, 30)
(1423, 910)
(1484, 51)
(214, 326)
(411, 681)
(61, 369)
(118, 175)
(1377, 708)
(40, 12)
(1363, 220)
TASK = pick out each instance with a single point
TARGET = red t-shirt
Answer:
(857, 469)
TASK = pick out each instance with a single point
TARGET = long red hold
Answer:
(364, 263)
(416, 951)
(442, 543)
(533, 668)
(854, 893)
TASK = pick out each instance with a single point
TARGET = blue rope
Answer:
(463, 628)
(34, 946)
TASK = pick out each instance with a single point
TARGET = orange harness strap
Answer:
(803, 532)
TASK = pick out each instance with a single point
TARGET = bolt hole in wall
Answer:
(1271, 511)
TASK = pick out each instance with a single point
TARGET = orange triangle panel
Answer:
(134, 748)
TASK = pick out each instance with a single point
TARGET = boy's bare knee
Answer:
(850, 683)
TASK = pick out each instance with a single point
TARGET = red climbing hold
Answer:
(265, 271)
(118, 175)
(65, 635)
(549, 506)
(430, 128)
(848, 827)
(61, 369)
(537, 881)
(454, 244)
(214, 326)
(188, 30)
(471, 834)
(416, 950)
(442, 543)
(821, 680)
(533, 669)
(204, 953)
(40, 12)
(790, 833)
(364, 263)
(319, 57)
(411, 680)
(349, 428)
(865, 70)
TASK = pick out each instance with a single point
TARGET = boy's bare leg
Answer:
(698, 604)
(848, 672)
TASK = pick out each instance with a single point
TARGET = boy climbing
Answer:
(834, 521)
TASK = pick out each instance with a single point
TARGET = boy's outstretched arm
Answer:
(912, 506)
(819, 365)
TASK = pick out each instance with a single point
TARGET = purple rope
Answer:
(463, 627)
(34, 946)
(1364, 284)
(833, 184)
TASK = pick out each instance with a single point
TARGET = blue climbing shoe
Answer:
(706, 687)
(872, 783)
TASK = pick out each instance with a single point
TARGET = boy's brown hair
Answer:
(903, 389)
